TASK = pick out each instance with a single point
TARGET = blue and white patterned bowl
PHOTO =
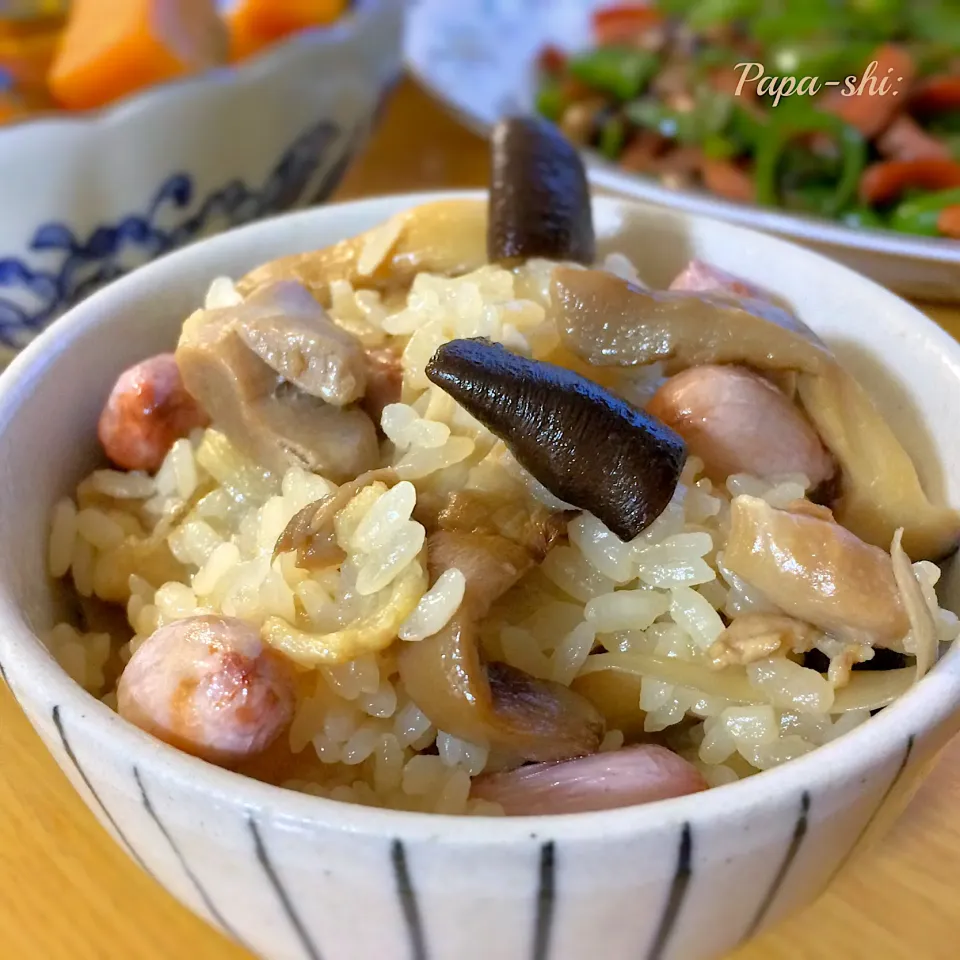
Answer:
(299, 877)
(87, 198)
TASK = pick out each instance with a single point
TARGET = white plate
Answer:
(477, 56)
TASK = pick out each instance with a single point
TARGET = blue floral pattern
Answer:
(68, 267)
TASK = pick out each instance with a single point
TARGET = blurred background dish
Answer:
(131, 144)
(487, 57)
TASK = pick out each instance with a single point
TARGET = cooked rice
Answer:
(199, 536)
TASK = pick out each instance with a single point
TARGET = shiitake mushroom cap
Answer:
(539, 196)
(587, 446)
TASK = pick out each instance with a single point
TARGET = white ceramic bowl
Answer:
(296, 877)
(478, 57)
(88, 197)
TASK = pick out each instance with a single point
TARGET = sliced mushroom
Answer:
(447, 236)
(533, 527)
(738, 422)
(265, 416)
(585, 445)
(311, 531)
(621, 778)
(921, 642)
(609, 322)
(491, 704)
(880, 491)
(616, 694)
(539, 197)
(816, 571)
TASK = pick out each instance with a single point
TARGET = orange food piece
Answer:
(936, 94)
(624, 23)
(948, 223)
(27, 49)
(887, 180)
(728, 181)
(113, 47)
(870, 113)
(256, 24)
(12, 108)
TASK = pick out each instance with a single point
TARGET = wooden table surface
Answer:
(68, 893)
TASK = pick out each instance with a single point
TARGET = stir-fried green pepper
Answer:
(708, 13)
(710, 115)
(783, 129)
(620, 71)
(863, 218)
(550, 99)
(935, 20)
(817, 58)
(613, 135)
(718, 147)
(920, 214)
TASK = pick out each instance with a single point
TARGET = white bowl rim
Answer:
(347, 26)
(877, 741)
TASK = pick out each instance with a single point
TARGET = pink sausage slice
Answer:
(147, 411)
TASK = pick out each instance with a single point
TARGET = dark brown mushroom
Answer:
(584, 444)
(539, 197)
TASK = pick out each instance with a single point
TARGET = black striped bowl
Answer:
(299, 878)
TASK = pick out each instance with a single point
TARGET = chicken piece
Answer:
(266, 416)
(621, 778)
(816, 571)
(491, 704)
(809, 509)
(841, 664)
(447, 237)
(208, 686)
(737, 422)
(147, 411)
(287, 329)
(755, 636)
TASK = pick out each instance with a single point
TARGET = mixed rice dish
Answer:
(451, 517)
